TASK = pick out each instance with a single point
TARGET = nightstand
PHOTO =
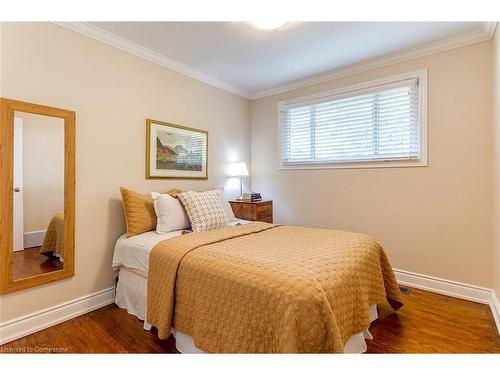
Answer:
(253, 211)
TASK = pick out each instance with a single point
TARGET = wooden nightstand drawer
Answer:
(253, 211)
(268, 219)
(264, 210)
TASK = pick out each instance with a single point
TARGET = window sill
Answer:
(361, 165)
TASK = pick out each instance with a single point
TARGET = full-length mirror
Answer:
(37, 194)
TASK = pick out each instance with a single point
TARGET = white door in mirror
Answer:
(18, 208)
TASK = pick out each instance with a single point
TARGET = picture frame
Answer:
(175, 151)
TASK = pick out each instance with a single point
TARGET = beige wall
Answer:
(496, 163)
(434, 220)
(43, 169)
(112, 93)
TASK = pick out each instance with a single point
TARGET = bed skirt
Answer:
(131, 294)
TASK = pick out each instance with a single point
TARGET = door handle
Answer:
(17, 190)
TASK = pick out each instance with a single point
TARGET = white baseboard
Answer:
(34, 239)
(444, 286)
(495, 309)
(453, 289)
(31, 323)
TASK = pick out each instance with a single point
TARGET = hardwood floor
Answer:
(30, 262)
(433, 323)
(427, 323)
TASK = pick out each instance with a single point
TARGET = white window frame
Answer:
(358, 89)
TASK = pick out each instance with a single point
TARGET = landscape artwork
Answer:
(175, 151)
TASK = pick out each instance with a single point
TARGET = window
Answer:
(379, 124)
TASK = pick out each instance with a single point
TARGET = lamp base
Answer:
(240, 198)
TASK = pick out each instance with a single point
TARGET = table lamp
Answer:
(238, 169)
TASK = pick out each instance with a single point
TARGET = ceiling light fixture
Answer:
(268, 24)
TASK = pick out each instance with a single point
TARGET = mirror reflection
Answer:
(38, 195)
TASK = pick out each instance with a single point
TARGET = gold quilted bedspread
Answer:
(265, 288)
(54, 237)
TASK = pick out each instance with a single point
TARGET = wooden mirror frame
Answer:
(8, 107)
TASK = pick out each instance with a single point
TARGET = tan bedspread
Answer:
(54, 237)
(266, 288)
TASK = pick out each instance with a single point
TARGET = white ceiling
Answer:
(251, 61)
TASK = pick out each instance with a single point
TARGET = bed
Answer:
(53, 242)
(232, 290)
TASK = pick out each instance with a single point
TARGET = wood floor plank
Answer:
(427, 323)
(29, 262)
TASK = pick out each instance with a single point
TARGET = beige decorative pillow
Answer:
(225, 205)
(170, 213)
(204, 210)
(140, 214)
(174, 192)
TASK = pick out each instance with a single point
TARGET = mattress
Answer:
(133, 252)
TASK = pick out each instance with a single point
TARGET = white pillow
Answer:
(225, 205)
(204, 210)
(170, 213)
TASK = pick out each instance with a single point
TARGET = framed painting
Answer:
(175, 151)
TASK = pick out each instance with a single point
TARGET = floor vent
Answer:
(404, 289)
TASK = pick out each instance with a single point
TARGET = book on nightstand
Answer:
(251, 197)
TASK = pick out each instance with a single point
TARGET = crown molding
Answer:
(480, 35)
(113, 40)
(489, 28)
(85, 28)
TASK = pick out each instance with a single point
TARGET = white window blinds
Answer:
(377, 124)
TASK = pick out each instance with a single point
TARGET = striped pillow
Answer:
(204, 210)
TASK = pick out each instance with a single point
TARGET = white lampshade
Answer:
(238, 169)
